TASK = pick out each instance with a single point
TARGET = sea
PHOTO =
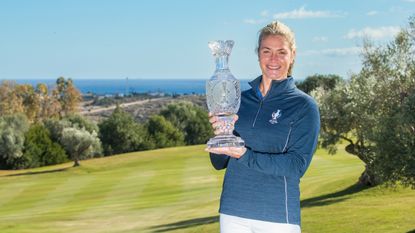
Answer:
(128, 86)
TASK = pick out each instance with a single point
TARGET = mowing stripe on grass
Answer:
(120, 196)
(9, 190)
(31, 195)
(55, 199)
(200, 179)
(91, 195)
(165, 187)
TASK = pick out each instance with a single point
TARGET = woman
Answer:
(280, 126)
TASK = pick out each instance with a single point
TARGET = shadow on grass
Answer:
(333, 197)
(413, 231)
(40, 172)
(315, 201)
(185, 224)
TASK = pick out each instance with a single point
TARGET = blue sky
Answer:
(161, 39)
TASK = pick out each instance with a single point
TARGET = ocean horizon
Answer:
(124, 86)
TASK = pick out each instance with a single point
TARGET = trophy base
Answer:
(225, 141)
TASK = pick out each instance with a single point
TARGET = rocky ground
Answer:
(142, 109)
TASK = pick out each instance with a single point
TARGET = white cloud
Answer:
(409, 0)
(302, 13)
(372, 13)
(264, 15)
(254, 21)
(373, 33)
(335, 52)
(320, 39)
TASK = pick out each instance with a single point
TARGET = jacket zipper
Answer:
(257, 113)
(260, 105)
(286, 200)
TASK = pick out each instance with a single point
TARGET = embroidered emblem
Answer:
(275, 116)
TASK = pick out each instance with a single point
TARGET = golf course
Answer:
(177, 190)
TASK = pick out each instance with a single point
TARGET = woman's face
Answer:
(275, 57)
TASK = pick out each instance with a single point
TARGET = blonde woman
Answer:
(280, 126)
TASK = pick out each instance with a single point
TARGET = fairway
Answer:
(177, 190)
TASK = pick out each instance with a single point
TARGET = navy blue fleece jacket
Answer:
(280, 131)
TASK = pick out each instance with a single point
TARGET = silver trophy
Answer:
(223, 94)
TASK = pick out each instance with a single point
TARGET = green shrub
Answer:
(39, 150)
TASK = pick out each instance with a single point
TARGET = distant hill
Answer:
(177, 190)
(142, 109)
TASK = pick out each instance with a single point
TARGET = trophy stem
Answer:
(226, 139)
(222, 62)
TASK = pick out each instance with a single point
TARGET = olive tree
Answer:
(80, 127)
(374, 111)
(79, 143)
(12, 136)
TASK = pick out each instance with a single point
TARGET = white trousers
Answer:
(233, 224)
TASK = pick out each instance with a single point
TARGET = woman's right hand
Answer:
(223, 124)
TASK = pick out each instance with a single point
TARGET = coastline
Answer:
(121, 87)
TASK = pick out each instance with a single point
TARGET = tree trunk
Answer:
(368, 178)
(76, 163)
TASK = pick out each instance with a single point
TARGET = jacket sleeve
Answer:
(218, 161)
(294, 161)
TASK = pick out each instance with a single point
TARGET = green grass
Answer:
(177, 190)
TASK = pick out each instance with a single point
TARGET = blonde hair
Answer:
(278, 28)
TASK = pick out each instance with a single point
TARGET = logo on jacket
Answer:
(275, 116)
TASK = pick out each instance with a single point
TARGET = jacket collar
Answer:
(277, 86)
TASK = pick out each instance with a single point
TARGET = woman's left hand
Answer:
(235, 152)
